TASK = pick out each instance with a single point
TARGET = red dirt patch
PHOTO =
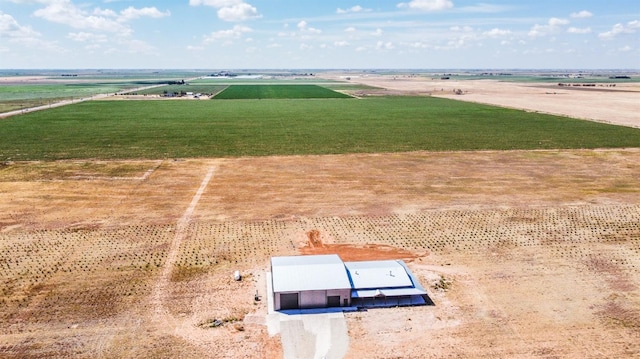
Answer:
(351, 252)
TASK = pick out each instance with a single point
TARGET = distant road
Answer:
(69, 102)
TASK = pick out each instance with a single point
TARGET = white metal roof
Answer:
(387, 292)
(378, 274)
(299, 273)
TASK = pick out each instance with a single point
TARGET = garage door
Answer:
(333, 301)
(289, 301)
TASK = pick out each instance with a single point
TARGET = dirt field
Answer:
(617, 105)
(525, 254)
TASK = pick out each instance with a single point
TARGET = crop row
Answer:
(31, 258)
(277, 92)
(109, 267)
(131, 129)
(40, 254)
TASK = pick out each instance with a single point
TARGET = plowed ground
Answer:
(525, 254)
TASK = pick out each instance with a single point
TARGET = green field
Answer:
(13, 97)
(179, 129)
(246, 92)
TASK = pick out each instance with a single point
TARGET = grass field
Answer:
(271, 91)
(177, 129)
(13, 97)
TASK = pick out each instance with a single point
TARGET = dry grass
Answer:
(528, 244)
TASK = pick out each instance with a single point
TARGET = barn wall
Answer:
(343, 293)
(313, 299)
(276, 301)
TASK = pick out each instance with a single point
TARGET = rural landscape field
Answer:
(124, 213)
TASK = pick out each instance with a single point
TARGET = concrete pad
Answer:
(314, 335)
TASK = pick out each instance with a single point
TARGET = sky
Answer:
(319, 34)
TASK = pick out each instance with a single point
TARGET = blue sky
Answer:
(288, 34)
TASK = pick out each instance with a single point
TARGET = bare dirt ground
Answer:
(524, 253)
(617, 105)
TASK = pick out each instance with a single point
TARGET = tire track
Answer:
(160, 289)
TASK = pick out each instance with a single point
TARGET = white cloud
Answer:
(382, 45)
(215, 3)
(618, 29)
(87, 36)
(554, 21)
(24, 35)
(341, 43)
(350, 29)
(485, 8)
(352, 9)
(303, 26)
(497, 32)
(10, 28)
(66, 13)
(230, 10)
(104, 12)
(378, 32)
(626, 48)
(554, 24)
(132, 13)
(575, 30)
(581, 14)
(427, 5)
(239, 12)
(461, 29)
(418, 45)
(234, 33)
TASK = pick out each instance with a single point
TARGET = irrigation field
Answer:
(20, 93)
(237, 92)
(180, 129)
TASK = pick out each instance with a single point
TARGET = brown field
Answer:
(617, 105)
(526, 254)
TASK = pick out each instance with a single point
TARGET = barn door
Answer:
(333, 301)
(289, 301)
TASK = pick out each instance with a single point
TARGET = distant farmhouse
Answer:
(323, 281)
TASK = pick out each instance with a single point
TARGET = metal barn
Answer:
(321, 281)
(301, 282)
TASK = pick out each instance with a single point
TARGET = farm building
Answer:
(321, 281)
(309, 282)
(383, 283)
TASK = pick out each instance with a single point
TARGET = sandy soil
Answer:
(617, 105)
(524, 253)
